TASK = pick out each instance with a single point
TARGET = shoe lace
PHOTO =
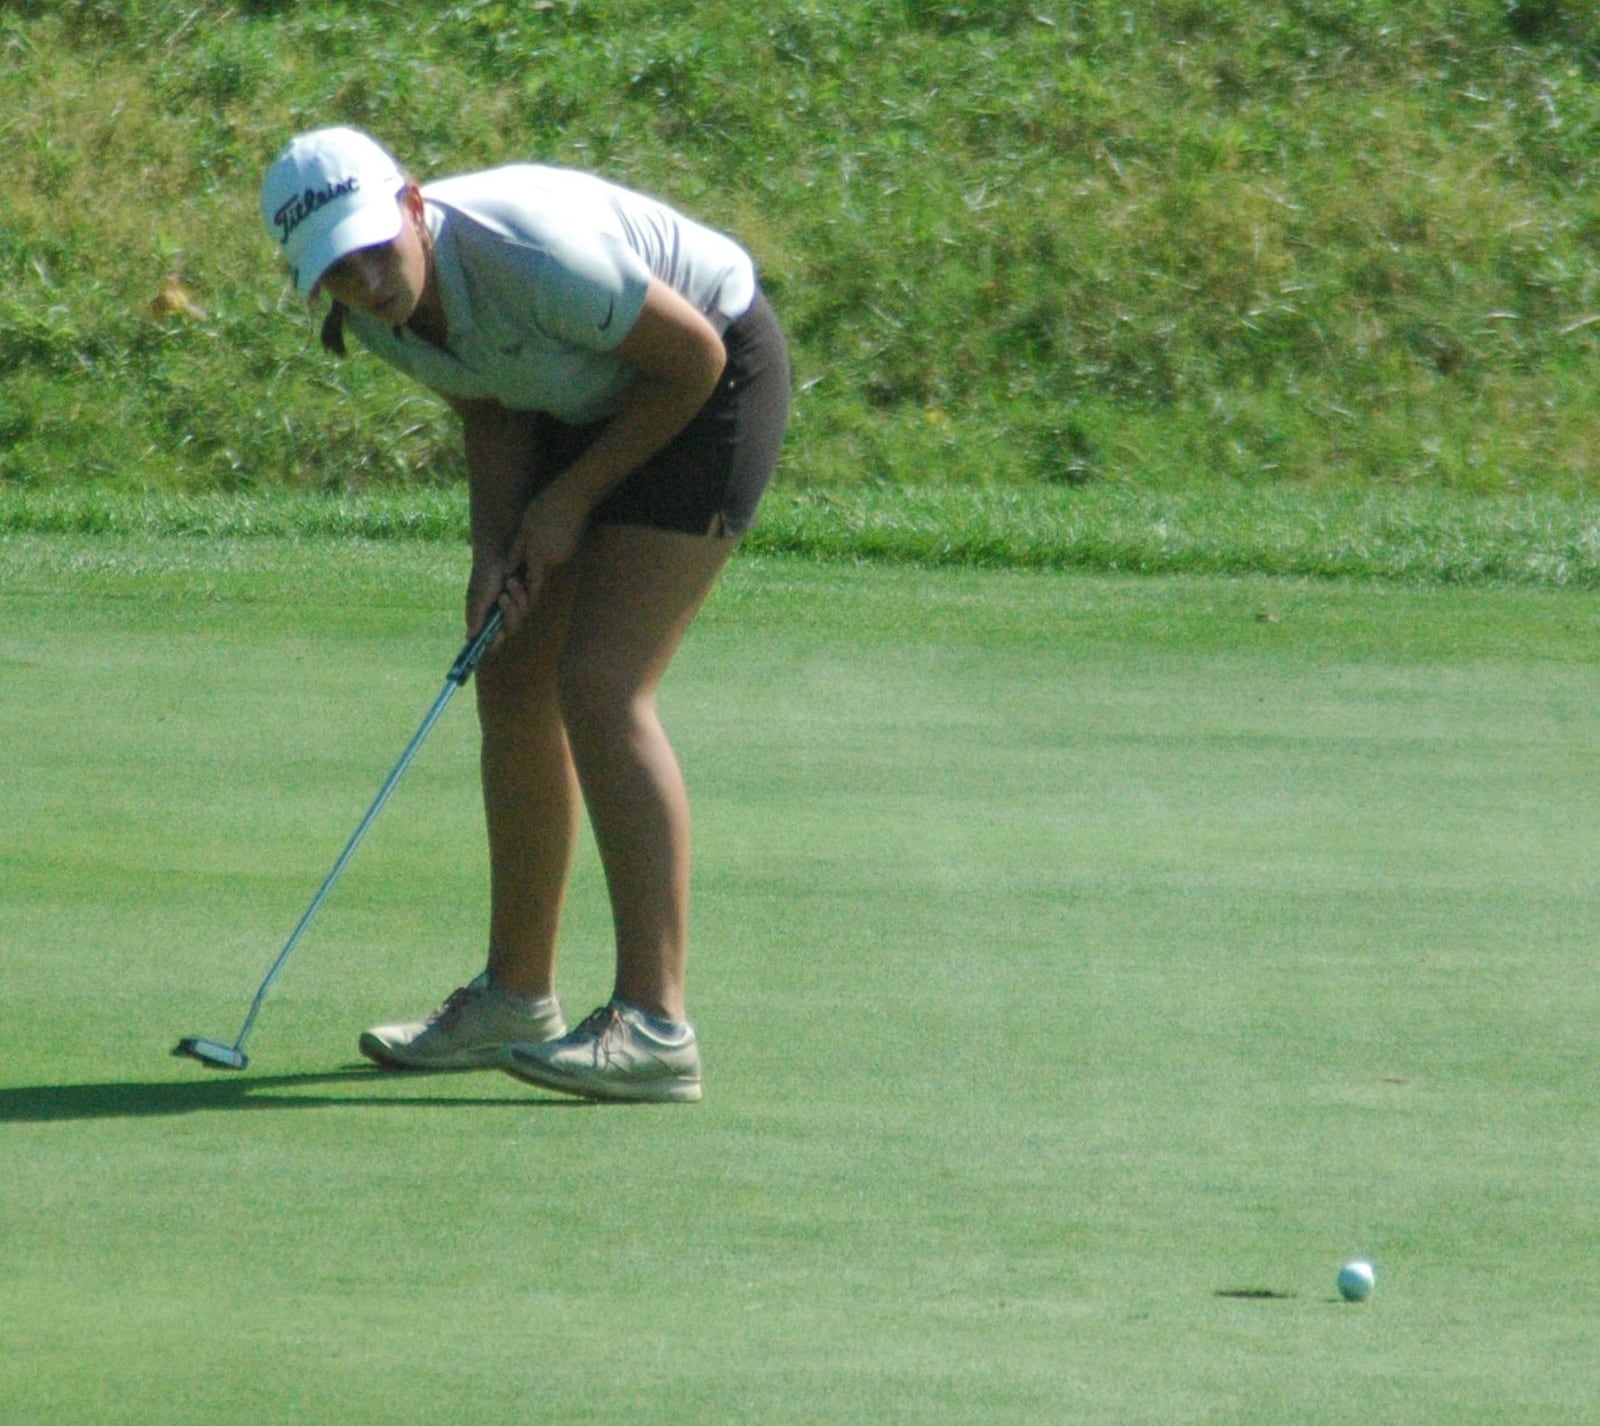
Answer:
(607, 1026)
(447, 1014)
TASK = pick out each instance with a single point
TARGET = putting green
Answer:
(1085, 968)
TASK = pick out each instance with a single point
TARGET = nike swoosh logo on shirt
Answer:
(611, 312)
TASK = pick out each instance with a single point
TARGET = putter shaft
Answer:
(219, 1056)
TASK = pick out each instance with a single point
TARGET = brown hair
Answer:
(333, 330)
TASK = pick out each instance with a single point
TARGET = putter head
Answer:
(211, 1054)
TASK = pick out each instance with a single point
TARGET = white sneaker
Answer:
(617, 1053)
(469, 1031)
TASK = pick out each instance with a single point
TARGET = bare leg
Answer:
(530, 795)
(637, 591)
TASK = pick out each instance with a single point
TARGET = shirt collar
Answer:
(447, 268)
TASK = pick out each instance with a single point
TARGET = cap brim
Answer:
(361, 227)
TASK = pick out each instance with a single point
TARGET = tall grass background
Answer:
(1317, 247)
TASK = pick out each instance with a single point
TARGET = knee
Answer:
(599, 703)
(514, 693)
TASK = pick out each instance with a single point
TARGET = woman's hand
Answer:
(491, 586)
(486, 588)
(548, 534)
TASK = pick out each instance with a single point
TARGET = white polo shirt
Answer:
(543, 272)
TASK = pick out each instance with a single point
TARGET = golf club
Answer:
(213, 1053)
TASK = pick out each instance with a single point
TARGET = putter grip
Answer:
(476, 647)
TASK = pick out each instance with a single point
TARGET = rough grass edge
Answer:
(1407, 536)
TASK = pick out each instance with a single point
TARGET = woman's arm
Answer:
(500, 479)
(679, 358)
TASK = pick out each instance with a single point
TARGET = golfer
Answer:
(623, 388)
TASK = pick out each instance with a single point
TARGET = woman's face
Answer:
(385, 281)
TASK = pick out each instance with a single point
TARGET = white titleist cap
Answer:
(329, 193)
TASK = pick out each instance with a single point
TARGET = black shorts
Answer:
(709, 480)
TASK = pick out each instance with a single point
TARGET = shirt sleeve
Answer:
(585, 291)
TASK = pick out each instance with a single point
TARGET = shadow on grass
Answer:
(50, 1103)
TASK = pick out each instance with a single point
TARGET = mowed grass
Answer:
(1085, 966)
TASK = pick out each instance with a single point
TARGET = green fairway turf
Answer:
(1085, 967)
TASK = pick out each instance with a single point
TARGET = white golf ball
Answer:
(1356, 1281)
